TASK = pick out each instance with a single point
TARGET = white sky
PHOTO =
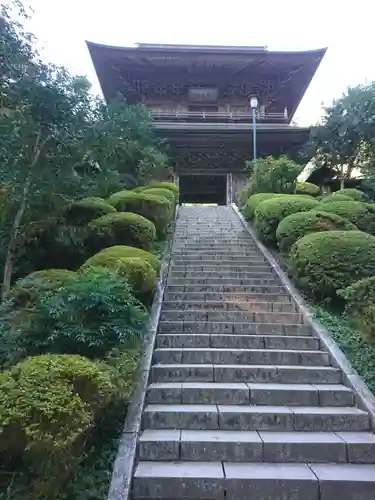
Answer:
(345, 27)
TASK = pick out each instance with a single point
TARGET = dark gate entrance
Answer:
(203, 189)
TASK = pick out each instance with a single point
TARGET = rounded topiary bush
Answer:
(157, 209)
(336, 197)
(294, 226)
(83, 211)
(26, 290)
(48, 406)
(307, 188)
(165, 193)
(325, 262)
(355, 194)
(354, 211)
(254, 200)
(164, 185)
(121, 228)
(124, 252)
(360, 304)
(269, 214)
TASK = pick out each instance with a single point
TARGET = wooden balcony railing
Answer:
(214, 116)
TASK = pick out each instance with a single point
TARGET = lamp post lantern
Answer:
(254, 107)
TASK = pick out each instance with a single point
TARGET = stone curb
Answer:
(122, 474)
(363, 396)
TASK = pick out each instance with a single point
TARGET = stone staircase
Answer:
(242, 402)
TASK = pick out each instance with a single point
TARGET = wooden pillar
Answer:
(229, 189)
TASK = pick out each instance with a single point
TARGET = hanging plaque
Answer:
(203, 94)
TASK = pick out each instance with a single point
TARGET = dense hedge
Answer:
(165, 193)
(164, 185)
(354, 211)
(83, 211)
(157, 209)
(254, 200)
(325, 262)
(121, 228)
(355, 194)
(360, 304)
(336, 197)
(269, 213)
(48, 405)
(294, 226)
(307, 188)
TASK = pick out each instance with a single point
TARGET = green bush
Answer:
(157, 209)
(307, 188)
(355, 194)
(269, 213)
(273, 175)
(164, 185)
(336, 197)
(123, 252)
(325, 262)
(165, 193)
(354, 211)
(49, 404)
(121, 228)
(87, 316)
(83, 211)
(294, 226)
(253, 202)
(360, 304)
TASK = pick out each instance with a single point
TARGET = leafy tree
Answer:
(272, 175)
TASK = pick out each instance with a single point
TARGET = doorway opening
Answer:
(203, 189)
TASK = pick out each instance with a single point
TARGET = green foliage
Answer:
(49, 405)
(307, 188)
(157, 209)
(164, 185)
(165, 193)
(355, 194)
(354, 211)
(124, 252)
(272, 175)
(83, 211)
(253, 202)
(337, 196)
(88, 316)
(360, 301)
(325, 262)
(122, 228)
(294, 226)
(269, 213)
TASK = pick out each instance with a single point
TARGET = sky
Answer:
(346, 28)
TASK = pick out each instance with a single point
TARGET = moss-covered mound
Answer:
(165, 193)
(155, 208)
(294, 226)
(83, 211)
(269, 213)
(307, 188)
(254, 200)
(325, 262)
(354, 211)
(355, 194)
(121, 228)
(335, 197)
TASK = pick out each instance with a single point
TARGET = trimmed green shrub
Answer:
(269, 213)
(307, 188)
(165, 193)
(294, 226)
(83, 211)
(253, 202)
(157, 209)
(121, 228)
(123, 252)
(355, 194)
(360, 304)
(354, 211)
(162, 185)
(49, 404)
(336, 197)
(325, 262)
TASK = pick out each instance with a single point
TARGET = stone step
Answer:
(225, 297)
(249, 267)
(252, 446)
(266, 274)
(230, 305)
(227, 327)
(282, 374)
(215, 257)
(285, 318)
(249, 393)
(230, 282)
(240, 261)
(231, 356)
(225, 289)
(255, 418)
(217, 252)
(238, 341)
(258, 481)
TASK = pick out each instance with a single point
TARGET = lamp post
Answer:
(254, 107)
